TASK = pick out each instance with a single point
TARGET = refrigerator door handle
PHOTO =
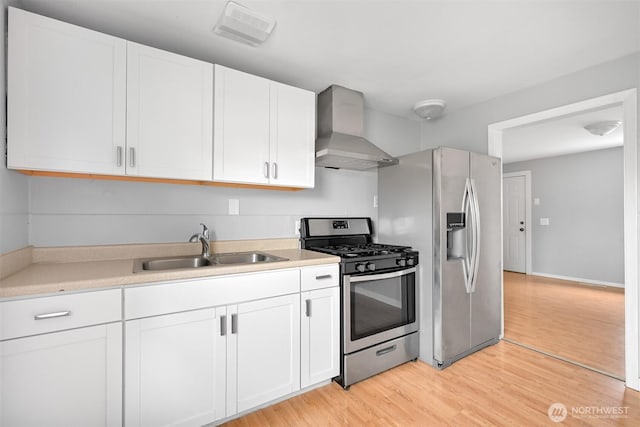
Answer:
(467, 262)
(476, 235)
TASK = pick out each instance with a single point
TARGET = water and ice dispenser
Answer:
(456, 237)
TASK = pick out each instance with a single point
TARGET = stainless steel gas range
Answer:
(379, 301)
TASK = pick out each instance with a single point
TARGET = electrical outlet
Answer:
(296, 232)
(544, 221)
(234, 207)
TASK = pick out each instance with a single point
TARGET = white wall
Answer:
(13, 186)
(467, 128)
(582, 195)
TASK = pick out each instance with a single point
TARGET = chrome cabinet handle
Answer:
(307, 310)
(119, 156)
(132, 157)
(274, 171)
(266, 169)
(324, 276)
(52, 315)
(223, 325)
(234, 323)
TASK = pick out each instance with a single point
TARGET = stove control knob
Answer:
(410, 261)
(401, 262)
(360, 267)
(371, 266)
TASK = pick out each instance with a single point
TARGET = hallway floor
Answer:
(578, 322)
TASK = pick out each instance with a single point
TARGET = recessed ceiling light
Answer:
(244, 25)
(430, 108)
(603, 128)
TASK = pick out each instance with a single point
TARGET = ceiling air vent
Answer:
(244, 25)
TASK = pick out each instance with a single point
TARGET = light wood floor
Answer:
(501, 385)
(578, 322)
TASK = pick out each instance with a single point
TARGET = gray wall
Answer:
(582, 195)
(13, 186)
(67, 212)
(467, 128)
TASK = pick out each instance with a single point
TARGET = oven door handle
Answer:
(370, 277)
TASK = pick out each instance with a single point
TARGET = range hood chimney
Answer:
(340, 142)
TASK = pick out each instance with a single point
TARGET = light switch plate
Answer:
(375, 201)
(544, 221)
(234, 207)
(536, 201)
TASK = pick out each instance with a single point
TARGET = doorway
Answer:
(516, 217)
(628, 100)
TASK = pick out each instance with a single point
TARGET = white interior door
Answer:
(514, 235)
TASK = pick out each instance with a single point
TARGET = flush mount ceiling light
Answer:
(430, 108)
(244, 25)
(603, 128)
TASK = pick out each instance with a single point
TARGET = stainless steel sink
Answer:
(198, 261)
(243, 258)
(174, 263)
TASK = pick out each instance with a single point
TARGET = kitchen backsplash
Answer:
(69, 212)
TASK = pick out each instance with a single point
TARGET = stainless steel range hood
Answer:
(340, 142)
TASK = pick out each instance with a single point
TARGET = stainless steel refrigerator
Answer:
(446, 203)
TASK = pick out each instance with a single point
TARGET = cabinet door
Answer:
(66, 97)
(267, 351)
(174, 369)
(320, 336)
(241, 127)
(70, 378)
(169, 115)
(293, 133)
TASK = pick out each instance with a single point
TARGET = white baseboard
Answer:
(578, 279)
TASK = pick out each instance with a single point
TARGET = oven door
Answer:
(378, 307)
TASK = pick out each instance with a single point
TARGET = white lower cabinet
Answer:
(195, 351)
(320, 336)
(189, 364)
(175, 369)
(263, 352)
(67, 378)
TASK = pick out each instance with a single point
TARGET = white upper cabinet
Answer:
(71, 90)
(66, 96)
(169, 115)
(80, 101)
(241, 127)
(293, 131)
(264, 131)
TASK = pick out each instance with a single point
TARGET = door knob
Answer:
(522, 229)
(522, 222)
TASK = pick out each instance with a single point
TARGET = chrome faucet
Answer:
(204, 238)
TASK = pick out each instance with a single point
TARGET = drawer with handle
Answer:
(48, 314)
(318, 277)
